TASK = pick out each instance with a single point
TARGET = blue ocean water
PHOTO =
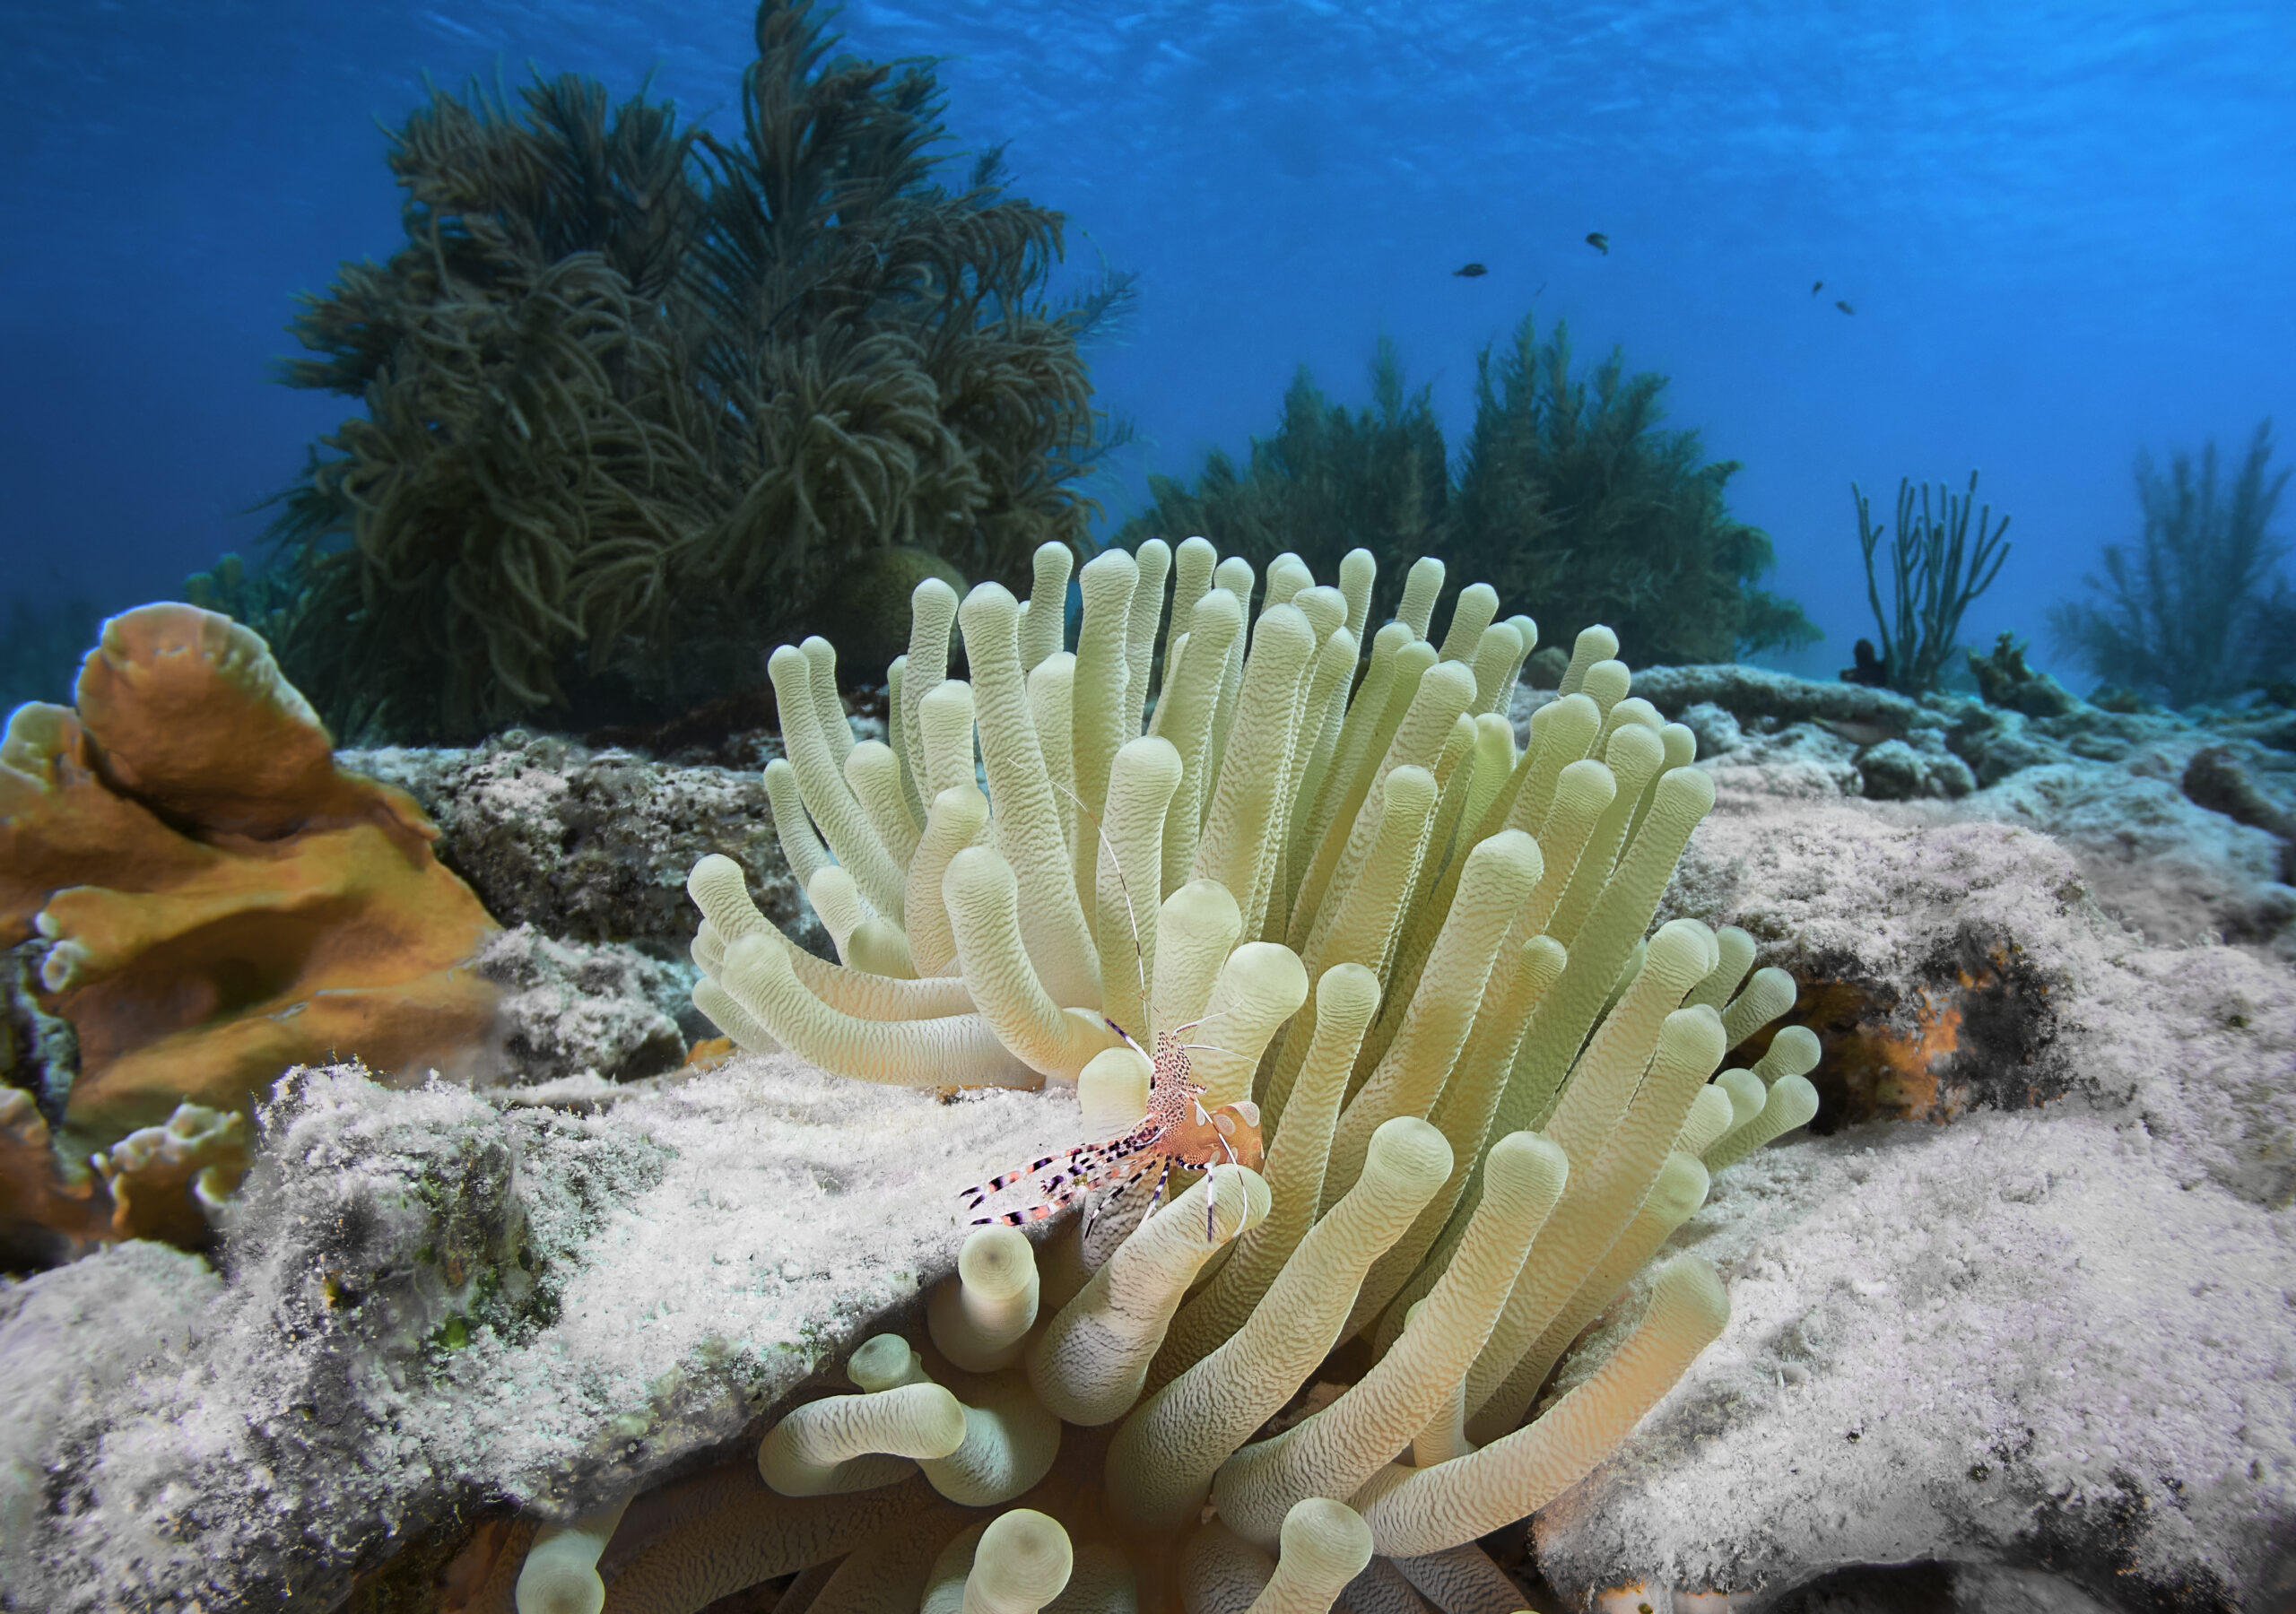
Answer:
(2065, 228)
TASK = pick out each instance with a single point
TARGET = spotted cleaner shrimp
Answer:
(1176, 1131)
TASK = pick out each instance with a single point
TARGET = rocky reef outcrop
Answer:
(2008, 1321)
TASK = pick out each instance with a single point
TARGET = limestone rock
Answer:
(71, 1340)
(594, 845)
(2150, 856)
(1758, 692)
(2055, 1330)
(572, 1008)
(434, 1303)
(2179, 824)
(2220, 779)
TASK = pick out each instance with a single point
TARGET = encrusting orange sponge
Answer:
(220, 901)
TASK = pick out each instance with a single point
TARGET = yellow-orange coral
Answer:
(161, 1180)
(221, 901)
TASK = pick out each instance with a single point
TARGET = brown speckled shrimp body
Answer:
(1176, 1131)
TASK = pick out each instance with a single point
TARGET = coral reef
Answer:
(166, 1183)
(636, 395)
(38, 1051)
(216, 900)
(2104, 1269)
(2010, 1310)
(1934, 572)
(1573, 496)
(1497, 1094)
(2198, 609)
(262, 598)
(1568, 494)
(866, 614)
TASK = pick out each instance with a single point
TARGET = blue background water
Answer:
(2065, 228)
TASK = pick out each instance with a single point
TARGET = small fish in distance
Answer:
(1470, 270)
(1816, 287)
(1599, 242)
(1844, 307)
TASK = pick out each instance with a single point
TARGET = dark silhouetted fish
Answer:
(1844, 307)
(1600, 243)
(1470, 270)
(1871, 670)
(1816, 287)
